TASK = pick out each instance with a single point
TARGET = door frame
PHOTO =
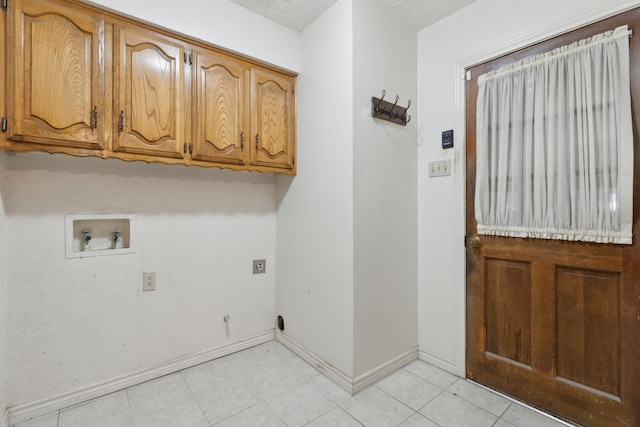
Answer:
(460, 170)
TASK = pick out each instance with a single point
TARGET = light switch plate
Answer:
(439, 168)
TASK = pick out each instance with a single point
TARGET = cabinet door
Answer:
(272, 119)
(56, 73)
(148, 93)
(220, 116)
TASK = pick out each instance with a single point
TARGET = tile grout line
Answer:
(193, 396)
(523, 404)
(126, 392)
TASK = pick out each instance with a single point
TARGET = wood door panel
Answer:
(58, 76)
(72, 63)
(583, 320)
(508, 309)
(221, 120)
(149, 105)
(588, 310)
(272, 120)
(152, 118)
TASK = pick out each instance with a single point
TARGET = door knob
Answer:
(475, 242)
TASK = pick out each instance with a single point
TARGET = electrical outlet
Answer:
(439, 168)
(259, 266)
(148, 282)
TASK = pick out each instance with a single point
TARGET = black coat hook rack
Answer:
(385, 110)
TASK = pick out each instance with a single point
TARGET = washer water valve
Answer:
(86, 236)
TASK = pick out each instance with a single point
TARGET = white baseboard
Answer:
(325, 368)
(373, 376)
(45, 406)
(350, 385)
(429, 357)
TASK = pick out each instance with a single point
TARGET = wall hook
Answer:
(385, 110)
(391, 113)
(384, 92)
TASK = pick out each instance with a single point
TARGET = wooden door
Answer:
(554, 323)
(148, 93)
(272, 120)
(56, 72)
(221, 109)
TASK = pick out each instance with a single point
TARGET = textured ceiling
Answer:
(297, 14)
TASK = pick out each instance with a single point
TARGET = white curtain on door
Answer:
(554, 144)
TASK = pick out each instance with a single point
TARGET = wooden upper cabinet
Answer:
(148, 93)
(220, 113)
(272, 119)
(84, 81)
(56, 75)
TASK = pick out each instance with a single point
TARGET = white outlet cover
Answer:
(259, 266)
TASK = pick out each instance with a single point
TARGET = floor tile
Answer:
(282, 377)
(335, 418)
(157, 394)
(448, 410)
(50, 420)
(430, 373)
(259, 415)
(525, 417)
(111, 410)
(222, 402)
(503, 423)
(409, 388)
(479, 396)
(373, 407)
(301, 405)
(418, 420)
(268, 385)
(330, 389)
(185, 413)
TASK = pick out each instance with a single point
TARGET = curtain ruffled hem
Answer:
(593, 236)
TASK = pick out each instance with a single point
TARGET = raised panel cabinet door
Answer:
(148, 104)
(272, 120)
(56, 74)
(220, 119)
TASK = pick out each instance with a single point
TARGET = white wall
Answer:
(76, 322)
(79, 322)
(4, 285)
(480, 30)
(315, 213)
(385, 191)
(347, 249)
(220, 22)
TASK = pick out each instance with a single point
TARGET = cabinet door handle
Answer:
(95, 117)
(190, 148)
(241, 140)
(184, 148)
(257, 141)
(121, 120)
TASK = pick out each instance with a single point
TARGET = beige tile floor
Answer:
(268, 385)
